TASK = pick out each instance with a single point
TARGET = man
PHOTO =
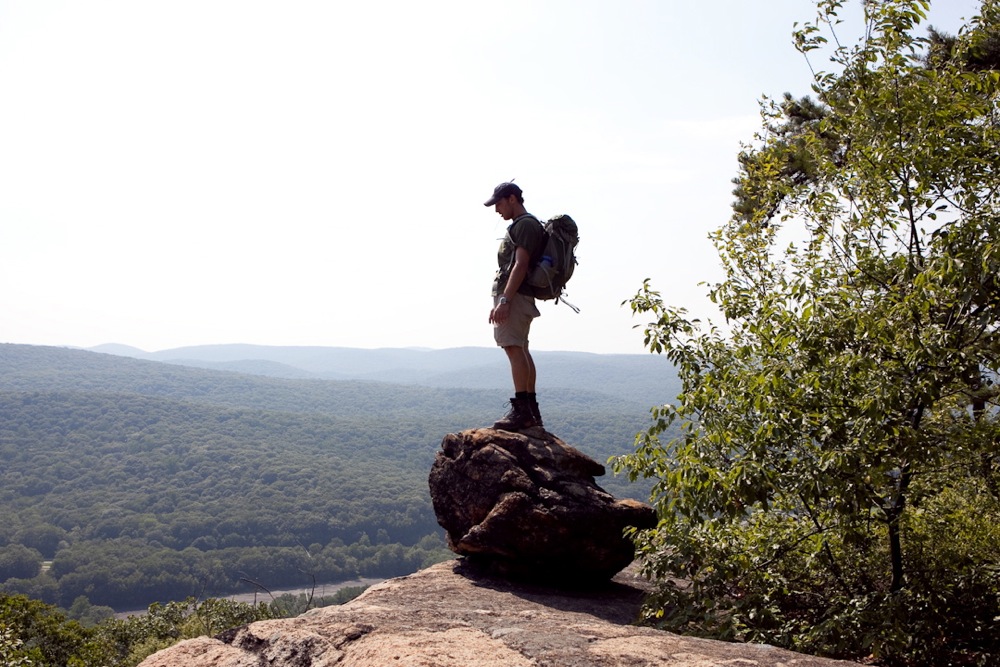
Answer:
(514, 302)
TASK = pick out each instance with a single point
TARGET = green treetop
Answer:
(834, 483)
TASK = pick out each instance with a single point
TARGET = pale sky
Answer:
(313, 172)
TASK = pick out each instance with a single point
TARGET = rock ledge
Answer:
(451, 615)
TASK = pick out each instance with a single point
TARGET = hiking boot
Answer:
(519, 418)
(535, 412)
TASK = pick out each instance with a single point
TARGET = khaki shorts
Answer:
(514, 332)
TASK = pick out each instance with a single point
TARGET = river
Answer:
(322, 590)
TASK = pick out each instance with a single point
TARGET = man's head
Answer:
(503, 191)
(508, 201)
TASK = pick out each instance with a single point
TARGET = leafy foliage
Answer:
(35, 634)
(11, 649)
(131, 640)
(17, 560)
(833, 484)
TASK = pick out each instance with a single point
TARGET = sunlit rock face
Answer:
(526, 505)
(452, 615)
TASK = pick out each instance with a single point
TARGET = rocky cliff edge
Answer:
(452, 615)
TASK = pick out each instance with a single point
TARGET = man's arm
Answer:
(517, 274)
(522, 260)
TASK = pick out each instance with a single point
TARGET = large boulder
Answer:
(527, 506)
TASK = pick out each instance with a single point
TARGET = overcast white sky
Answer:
(313, 172)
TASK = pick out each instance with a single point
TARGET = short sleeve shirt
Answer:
(525, 232)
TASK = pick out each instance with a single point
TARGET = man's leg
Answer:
(522, 368)
(512, 336)
(530, 394)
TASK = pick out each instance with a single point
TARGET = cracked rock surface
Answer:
(454, 615)
(527, 505)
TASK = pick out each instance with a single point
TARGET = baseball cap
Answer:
(503, 191)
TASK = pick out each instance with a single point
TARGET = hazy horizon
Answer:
(415, 348)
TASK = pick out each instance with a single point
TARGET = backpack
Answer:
(549, 275)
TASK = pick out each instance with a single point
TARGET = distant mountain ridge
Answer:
(643, 378)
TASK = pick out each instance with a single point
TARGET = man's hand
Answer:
(500, 313)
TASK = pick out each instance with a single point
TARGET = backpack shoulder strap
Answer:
(541, 246)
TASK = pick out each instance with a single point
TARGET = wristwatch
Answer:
(502, 301)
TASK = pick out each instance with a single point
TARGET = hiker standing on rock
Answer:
(514, 302)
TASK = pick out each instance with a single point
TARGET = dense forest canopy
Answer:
(136, 481)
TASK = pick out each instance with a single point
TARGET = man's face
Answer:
(505, 207)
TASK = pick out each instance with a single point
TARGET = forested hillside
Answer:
(139, 481)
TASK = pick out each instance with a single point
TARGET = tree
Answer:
(19, 561)
(11, 649)
(33, 633)
(832, 482)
